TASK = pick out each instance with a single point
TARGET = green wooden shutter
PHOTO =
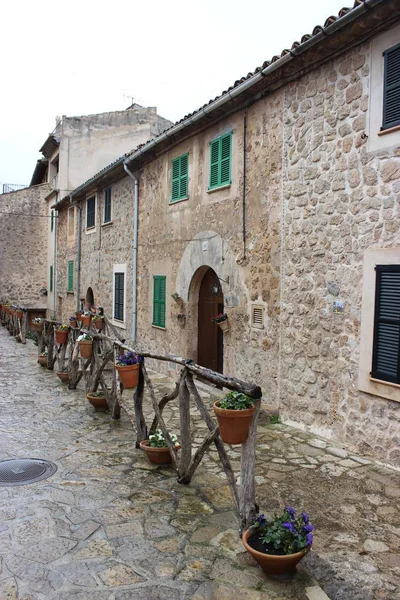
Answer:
(214, 163)
(391, 91)
(159, 293)
(52, 221)
(107, 205)
(70, 276)
(180, 175)
(119, 287)
(51, 278)
(226, 145)
(220, 161)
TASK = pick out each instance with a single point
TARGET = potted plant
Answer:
(98, 322)
(127, 366)
(61, 334)
(156, 448)
(234, 414)
(97, 400)
(37, 324)
(279, 544)
(42, 359)
(222, 321)
(63, 375)
(85, 318)
(85, 342)
(72, 321)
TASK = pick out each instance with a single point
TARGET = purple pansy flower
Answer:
(305, 516)
(308, 528)
(291, 511)
(309, 538)
(289, 526)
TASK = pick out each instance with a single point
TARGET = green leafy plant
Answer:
(98, 318)
(62, 327)
(37, 320)
(284, 534)
(96, 394)
(275, 420)
(157, 439)
(84, 337)
(219, 318)
(43, 353)
(236, 401)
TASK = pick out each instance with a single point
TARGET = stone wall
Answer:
(339, 201)
(23, 246)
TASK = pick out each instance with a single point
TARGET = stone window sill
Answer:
(391, 130)
(216, 189)
(389, 383)
(158, 327)
(172, 202)
(107, 224)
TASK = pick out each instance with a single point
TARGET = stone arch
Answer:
(89, 299)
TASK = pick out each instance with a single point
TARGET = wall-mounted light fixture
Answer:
(43, 292)
(216, 286)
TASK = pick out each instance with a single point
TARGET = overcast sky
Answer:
(75, 58)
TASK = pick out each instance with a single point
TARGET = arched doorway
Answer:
(89, 300)
(210, 350)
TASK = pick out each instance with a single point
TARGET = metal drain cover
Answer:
(24, 471)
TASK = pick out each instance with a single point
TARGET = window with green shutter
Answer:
(107, 205)
(391, 88)
(159, 286)
(90, 212)
(220, 161)
(52, 220)
(180, 178)
(119, 290)
(70, 287)
(51, 278)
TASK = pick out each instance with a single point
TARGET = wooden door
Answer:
(210, 337)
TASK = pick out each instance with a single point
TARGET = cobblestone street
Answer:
(108, 525)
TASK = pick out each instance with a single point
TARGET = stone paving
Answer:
(110, 526)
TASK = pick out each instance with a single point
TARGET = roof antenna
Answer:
(132, 99)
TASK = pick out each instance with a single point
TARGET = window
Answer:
(70, 287)
(220, 161)
(52, 220)
(159, 282)
(107, 205)
(71, 222)
(180, 176)
(90, 212)
(391, 88)
(119, 295)
(51, 278)
(386, 357)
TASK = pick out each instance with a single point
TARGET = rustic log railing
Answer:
(107, 346)
(15, 321)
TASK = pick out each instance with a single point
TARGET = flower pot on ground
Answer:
(222, 321)
(85, 345)
(234, 414)
(42, 359)
(156, 448)
(61, 334)
(98, 401)
(128, 366)
(63, 375)
(279, 544)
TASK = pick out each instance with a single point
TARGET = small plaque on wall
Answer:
(338, 307)
(231, 300)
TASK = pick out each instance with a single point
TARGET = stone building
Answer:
(273, 203)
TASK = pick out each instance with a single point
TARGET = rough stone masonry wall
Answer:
(339, 200)
(23, 246)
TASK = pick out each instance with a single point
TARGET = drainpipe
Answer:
(135, 251)
(55, 265)
(78, 266)
(244, 181)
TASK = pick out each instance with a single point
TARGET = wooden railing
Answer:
(107, 346)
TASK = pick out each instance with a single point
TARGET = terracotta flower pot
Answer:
(271, 563)
(63, 375)
(61, 336)
(98, 402)
(86, 348)
(158, 456)
(233, 424)
(36, 327)
(19, 314)
(99, 324)
(42, 360)
(224, 325)
(86, 321)
(129, 375)
(73, 323)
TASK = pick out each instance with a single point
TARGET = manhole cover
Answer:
(24, 471)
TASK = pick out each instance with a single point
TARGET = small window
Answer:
(220, 161)
(180, 177)
(71, 222)
(52, 220)
(391, 88)
(119, 291)
(386, 356)
(70, 287)
(257, 316)
(90, 212)
(159, 285)
(107, 205)
(51, 278)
